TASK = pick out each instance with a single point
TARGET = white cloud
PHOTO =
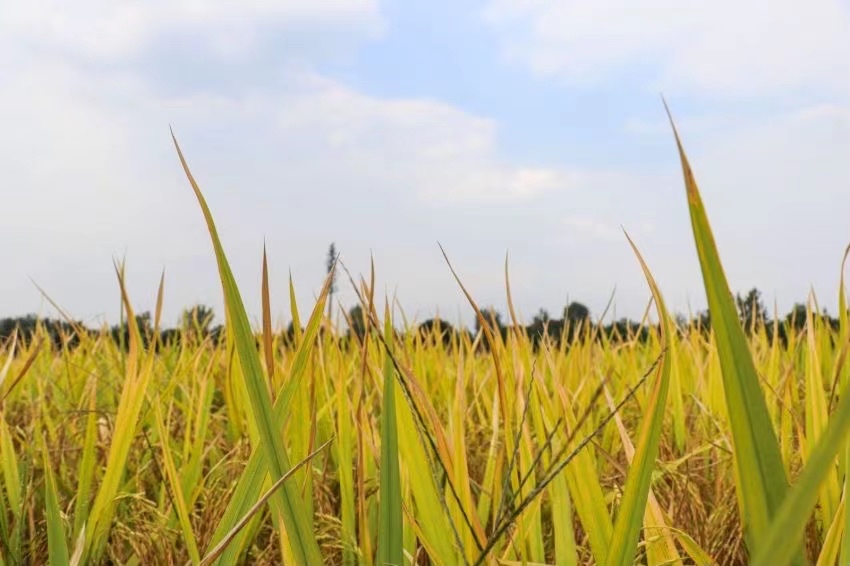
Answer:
(728, 47)
(88, 174)
(436, 151)
(112, 30)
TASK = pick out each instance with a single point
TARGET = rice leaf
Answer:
(287, 501)
(11, 469)
(759, 468)
(817, 416)
(85, 474)
(293, 308)
(57, 545)
(268, 337)
(699, 556)
(218, 550)
(660, 545)
(390, 530)
(585, 489)
(136, 379)
(177, 495)
(79, 548)
(630, 516)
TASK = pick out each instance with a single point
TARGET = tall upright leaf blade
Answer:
(758, 462)
(630, 517)
(345, 471)
(11, 470)
(843, 312)
(268, 338)
(85, 473)
(433, 524)
(136, 380)
(817, 416)
(391, 530)
(287, 501)
(293, 308)
(57, 545)
(844, 335)
(566, 553)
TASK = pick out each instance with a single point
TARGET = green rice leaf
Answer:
(85, 473)
(218, 550)
(286, 501)
(630, 517)
(57, 546)
(391, 529)
(179, 498)
(136, 379)
(762, 483)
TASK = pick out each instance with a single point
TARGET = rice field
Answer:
(672, 446)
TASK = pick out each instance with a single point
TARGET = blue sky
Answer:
(534, 128)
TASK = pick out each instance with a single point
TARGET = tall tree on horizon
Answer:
(332, 253)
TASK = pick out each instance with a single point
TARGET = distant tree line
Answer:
(576, 319)
(196, 324)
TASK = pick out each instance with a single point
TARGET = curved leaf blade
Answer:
(630, 517)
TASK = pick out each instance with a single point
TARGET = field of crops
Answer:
(676, 447)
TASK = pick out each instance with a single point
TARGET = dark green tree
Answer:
(60, 332)
(575, 313)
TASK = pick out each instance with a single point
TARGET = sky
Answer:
(531, 131)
